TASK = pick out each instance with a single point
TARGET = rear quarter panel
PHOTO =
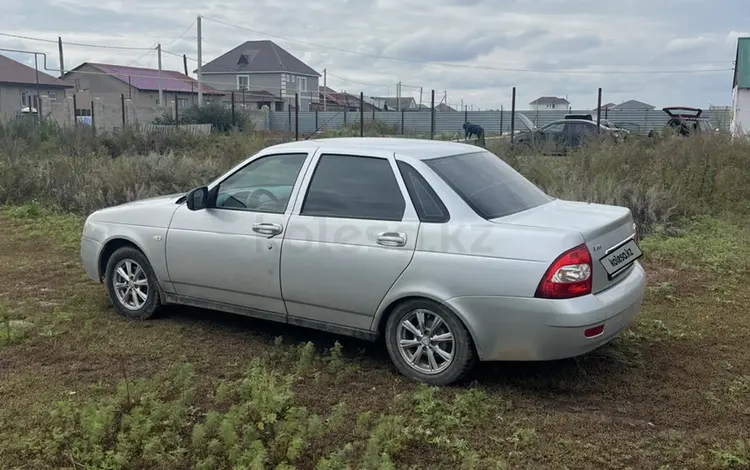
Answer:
(455, 260)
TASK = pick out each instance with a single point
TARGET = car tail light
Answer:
(569, 275)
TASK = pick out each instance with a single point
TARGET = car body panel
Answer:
(332, 269)
(530, 329)
(214, 254)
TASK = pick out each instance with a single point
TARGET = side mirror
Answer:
(197, 199)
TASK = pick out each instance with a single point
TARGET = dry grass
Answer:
(83, 388)
(671, 393)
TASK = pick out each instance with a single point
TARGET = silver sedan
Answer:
(440, 248)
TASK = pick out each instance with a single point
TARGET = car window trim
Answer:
(350, 155)
(297, 181)
(446, 216)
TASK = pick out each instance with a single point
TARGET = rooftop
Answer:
(15, 72)
(258, 56)
(148, 79)
(418, 148)
(550, 100)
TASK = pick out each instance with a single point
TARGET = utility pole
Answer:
(420, 98)
(161, 92)
(38, 94)
(445, 99)
(62, 62)
(325, 90)
(200, 63)
(184, 63)
(398, 97)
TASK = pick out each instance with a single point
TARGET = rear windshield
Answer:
(491, 187)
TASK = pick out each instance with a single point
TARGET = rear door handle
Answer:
(392, 239)
(267, 229)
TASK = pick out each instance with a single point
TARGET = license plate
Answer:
(621, 258)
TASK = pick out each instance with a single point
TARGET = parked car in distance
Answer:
(557, 137)
(686, 122)
(439, 248)
(603, 121)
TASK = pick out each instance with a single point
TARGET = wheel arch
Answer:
(109, 247)
(382, 318)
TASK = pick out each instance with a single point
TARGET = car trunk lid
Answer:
(603, 228)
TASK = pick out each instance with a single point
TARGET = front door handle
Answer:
(267, 229)
(392, 239)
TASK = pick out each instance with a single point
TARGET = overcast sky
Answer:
(550, 41)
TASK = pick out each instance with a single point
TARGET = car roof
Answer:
(422, 149)
(568, 121)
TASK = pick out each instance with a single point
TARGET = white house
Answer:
(549, 103)
(740, 124)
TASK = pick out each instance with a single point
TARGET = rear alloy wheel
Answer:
(428, 343)
(131, 284)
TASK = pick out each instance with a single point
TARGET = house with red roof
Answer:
(138, 84)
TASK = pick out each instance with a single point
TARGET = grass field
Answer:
(81, 387)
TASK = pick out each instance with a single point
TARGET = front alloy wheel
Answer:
(429, 343)
(131, 284)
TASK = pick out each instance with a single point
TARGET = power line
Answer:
(141, 57)
(469, 66)
(101, 46)
(181, 35)
(361, 83)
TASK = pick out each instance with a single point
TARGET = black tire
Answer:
(463, 358)
(152, 303)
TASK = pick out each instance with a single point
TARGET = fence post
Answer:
(513, 115)
(599, 110)
(345, 109)
(432, 116)
(373, 113)
(93, 122)
(501, 119)
(289, 112)
(176, 112)
(75, 108)
(466, 114)
(296, 116)
(361, 114)
(122, 108)
(234, 119)
(402, 121)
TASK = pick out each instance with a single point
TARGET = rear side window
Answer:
(355, 188)
(491, 187)
(427, 203)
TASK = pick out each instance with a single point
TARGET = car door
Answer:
(350, 236)
(230, 253)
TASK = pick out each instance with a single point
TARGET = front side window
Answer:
(553, 128)
(354, 187)
(488, 185)
(263, 185)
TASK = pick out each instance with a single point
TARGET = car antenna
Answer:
(318, 128)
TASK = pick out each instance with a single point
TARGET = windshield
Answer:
(491, 187)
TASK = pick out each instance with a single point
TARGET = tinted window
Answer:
(263, 185)
(355, 188)
(426, 202)
(488, 185)
(553, 128)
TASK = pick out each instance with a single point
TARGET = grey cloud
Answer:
(634, 35)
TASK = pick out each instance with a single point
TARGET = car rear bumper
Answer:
(530, 329)
(90, 257)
